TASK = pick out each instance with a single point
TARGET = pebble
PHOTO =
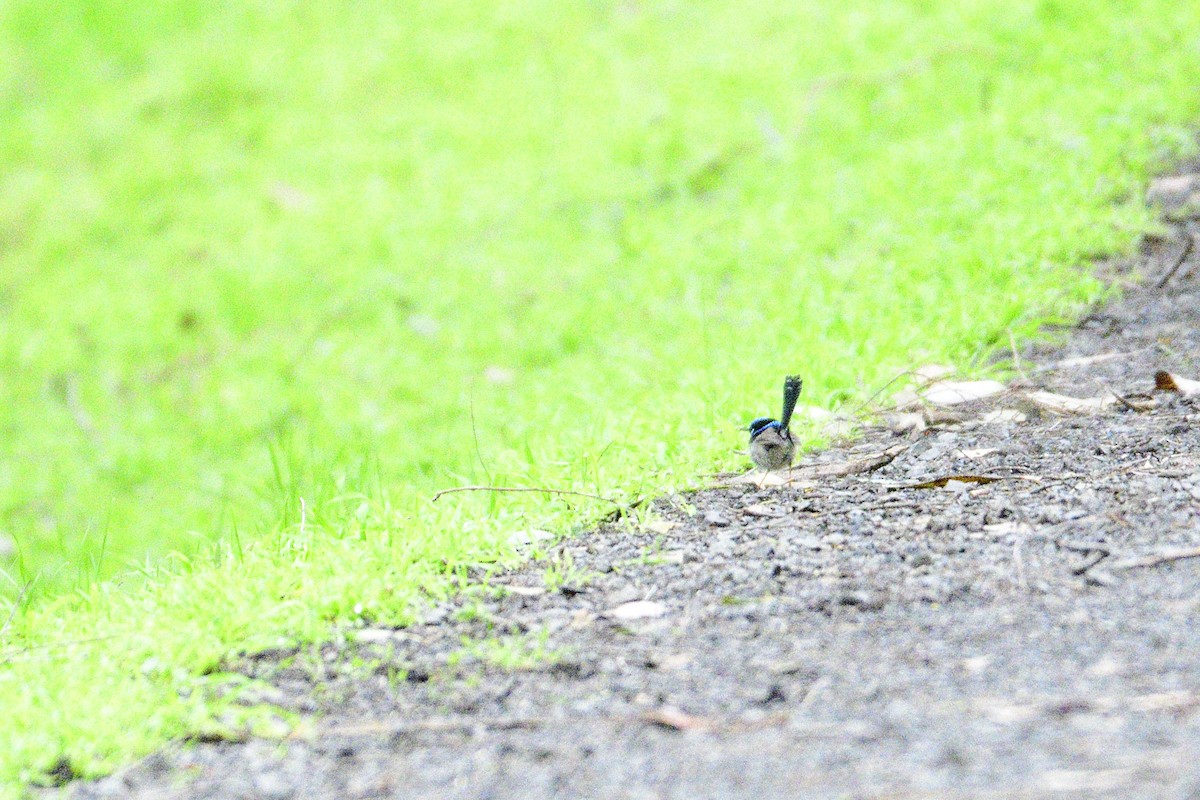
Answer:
(921, 560)
(273, 786)
(716, 519)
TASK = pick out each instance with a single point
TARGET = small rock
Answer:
(638, 609)
(921, 560)
(1173, 192)
(626, 594)
(761, 510)
(867, 601)
(522, 591)
(374, 635)
(716, 519)
(721, 545)
(272, 785)
(775, 694)
(436, 616)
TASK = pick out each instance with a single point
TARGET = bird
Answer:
(771, 443)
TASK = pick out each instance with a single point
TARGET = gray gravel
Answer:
(849, 638)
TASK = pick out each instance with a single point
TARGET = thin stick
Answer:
(401, 727)
(524, 489)
(1187, 251)
(475, 435)
(1128, 405)
(881, 390)
(1012, 346)
(810, 694)
(1084, 547)
(9, 655)
(1019, 563)
(1159, 558)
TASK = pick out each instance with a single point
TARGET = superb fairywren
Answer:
(771, 444)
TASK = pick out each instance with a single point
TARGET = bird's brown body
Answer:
(771, 443)
(773, 448)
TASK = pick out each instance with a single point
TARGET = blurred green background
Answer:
(250, 251)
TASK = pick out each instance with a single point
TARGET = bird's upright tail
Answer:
(791, 393)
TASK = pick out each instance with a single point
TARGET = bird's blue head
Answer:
(761, 424)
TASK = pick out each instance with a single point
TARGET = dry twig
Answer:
(1188, 244)
(524, 489)
(1153, 560)
(436, 725)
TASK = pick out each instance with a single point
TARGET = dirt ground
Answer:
(848, 636)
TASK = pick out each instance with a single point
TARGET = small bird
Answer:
(771, 443)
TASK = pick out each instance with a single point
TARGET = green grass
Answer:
(349, 254)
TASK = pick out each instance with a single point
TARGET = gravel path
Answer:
(841, 637)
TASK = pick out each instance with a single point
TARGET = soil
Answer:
(845, 636)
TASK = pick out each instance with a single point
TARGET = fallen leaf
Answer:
(676, 720)
(637, 609)
(675, 661)
(1083, 361)
(949, 393)
(1079, 780)
(938, 483)
(661, 526)
(1003, 415)
(1170, 382)
(844, 468)
(1063, 405)
(529, 537)
(935, 417)
(1164, 701)
(523, 591)
(762, 510)
(1005, 713)
(1003, 529)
